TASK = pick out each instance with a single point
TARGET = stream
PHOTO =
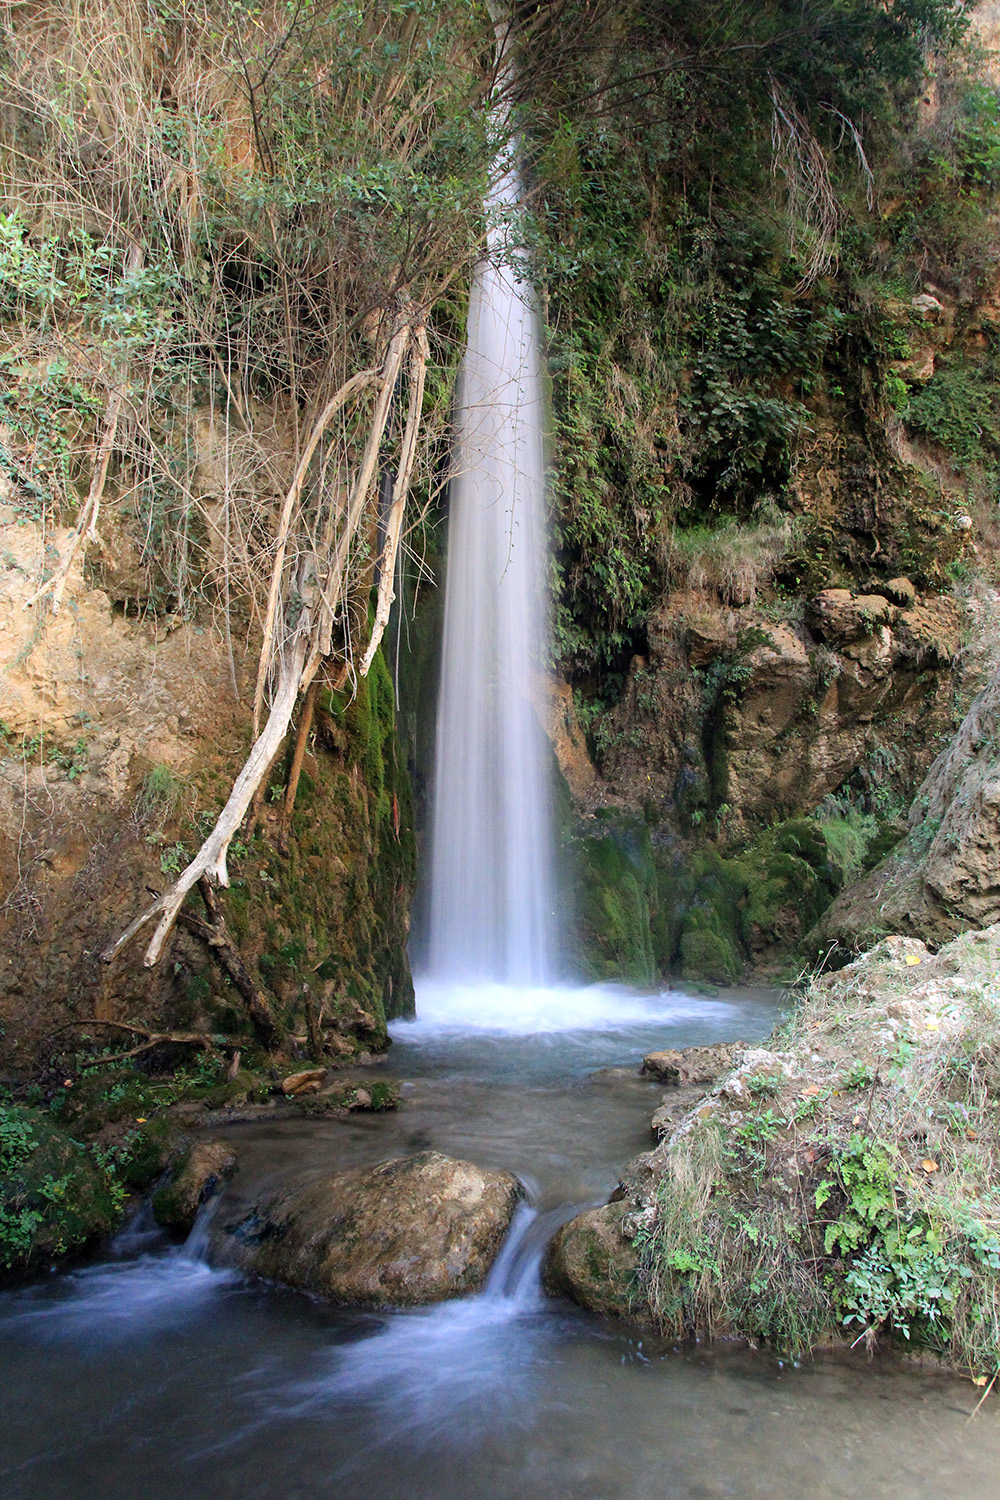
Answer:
(150, 1373)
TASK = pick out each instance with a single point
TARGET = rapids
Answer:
(151, 1373)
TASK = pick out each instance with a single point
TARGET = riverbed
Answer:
(149, 1372)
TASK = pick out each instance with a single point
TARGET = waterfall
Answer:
(491, 896)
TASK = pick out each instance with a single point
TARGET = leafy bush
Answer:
(55, 1195)
(958, 408)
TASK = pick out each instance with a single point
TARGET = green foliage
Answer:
(865, 1176)
(901, 1271)
(746, 1150)
(858, 1076)
(959, 408)
(698, 320)
(55, 1195)
(72, 759)
(904, 1279)
(250, 220)
(161, 789)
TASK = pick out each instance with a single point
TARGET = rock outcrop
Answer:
(945, 876)
(591, 1261)
(414, 1230)
(200, 1175)
(691, 1065)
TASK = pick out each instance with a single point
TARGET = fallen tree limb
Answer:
(216, 935)
(152, 1039)
(330, 410)
(358, 498)
(309, 616)
(210, 859)
(419, 355)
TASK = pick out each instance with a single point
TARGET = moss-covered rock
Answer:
(648, 907)
(616, 881)
(202, 1172)
(55, 1194)
(592, 1260)
(839, 1186)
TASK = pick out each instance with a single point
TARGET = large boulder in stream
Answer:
(591, 1261)
(201, 1173)
(418, 1229)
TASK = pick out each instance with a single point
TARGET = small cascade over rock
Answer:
(491, 852)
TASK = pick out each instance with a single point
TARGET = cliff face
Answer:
(122, 732)
(776, 527)
(944, 877)
(783, 679)
(775, 436)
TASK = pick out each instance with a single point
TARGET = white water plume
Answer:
(491, 853)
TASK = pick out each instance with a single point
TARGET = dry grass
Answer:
(846, 1184)
(735, 559)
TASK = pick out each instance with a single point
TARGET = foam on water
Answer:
(458, 1365)
(132, 1296)
(455, 1009)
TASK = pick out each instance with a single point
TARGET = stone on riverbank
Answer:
(591, 1261)
(690, 1065)
(199, 1175)
(415, 1230)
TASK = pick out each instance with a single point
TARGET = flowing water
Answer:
(491, 882)
(152, 1374)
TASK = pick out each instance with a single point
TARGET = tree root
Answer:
(151, 1039)
(215, 934)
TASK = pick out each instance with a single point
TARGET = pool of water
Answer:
(152, 1373)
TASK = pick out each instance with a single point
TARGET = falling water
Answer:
(491, 853)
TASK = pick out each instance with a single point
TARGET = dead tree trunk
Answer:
(301, 744)
(215, 933)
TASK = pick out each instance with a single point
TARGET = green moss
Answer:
(326, 921)
(615, 881)
(55, 1194)
(647, 909)
(708, 955)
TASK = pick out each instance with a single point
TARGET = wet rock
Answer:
(664, 1066)
(691, 1065)
(591, 1260)
(418, 1229)
(306, 1082)
(672, 1111)
(201, 1174)
(345, 1094)
(553, 700)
